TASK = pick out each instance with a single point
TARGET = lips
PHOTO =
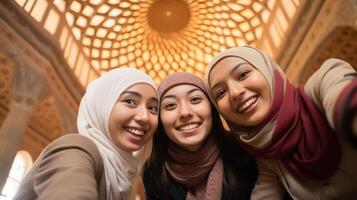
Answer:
(247, 104)
(189, 126)
(135, 131)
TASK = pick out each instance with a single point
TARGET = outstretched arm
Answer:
(333, 88)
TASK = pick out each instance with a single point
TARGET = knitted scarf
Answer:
(200, 172)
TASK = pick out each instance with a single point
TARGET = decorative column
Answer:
(68, 119)
(28, 89)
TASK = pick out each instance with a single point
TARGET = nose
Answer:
(142, 115)
(236, 91)
(185, 111)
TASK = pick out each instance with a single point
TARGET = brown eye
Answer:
(219, 94)
(129, 101)
(170, 106)
(196, 100)
(243, 75)
(153, 109)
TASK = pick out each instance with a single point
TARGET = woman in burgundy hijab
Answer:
(292, 131)
(192, 156)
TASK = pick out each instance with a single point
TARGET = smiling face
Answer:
(185, 113)
(134, 117)
(241, 91)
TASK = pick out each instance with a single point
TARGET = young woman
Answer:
(192, 156)
(117, 115)
(293, 132)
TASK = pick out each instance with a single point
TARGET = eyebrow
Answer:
(173, 96)
(132, 93)
(231, 72)
(138, 95)
(194, 89)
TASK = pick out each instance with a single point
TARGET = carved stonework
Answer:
(29, 87)
(306, 17)
(67, 118)
(331, 16)
(46, 119)
(6, 71)
(27, 77)
(341, 43)
(2, 116)
(11, 42)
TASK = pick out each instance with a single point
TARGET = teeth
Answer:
(189, 126)
(135, 131)
(247, 104)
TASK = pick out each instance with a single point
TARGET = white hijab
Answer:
(93, 122)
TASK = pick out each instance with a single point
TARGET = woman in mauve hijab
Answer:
(297, 134)
(193, 157)
(117, 115)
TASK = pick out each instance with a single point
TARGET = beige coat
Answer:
(274, 177)
(69, 168)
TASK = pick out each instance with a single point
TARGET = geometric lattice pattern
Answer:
(138, 33)
(159, 37)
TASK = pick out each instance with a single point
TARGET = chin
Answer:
(135, 148)
(131, 147)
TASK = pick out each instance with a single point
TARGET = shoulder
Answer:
(334, 62)
(71, 141)
(75, 144)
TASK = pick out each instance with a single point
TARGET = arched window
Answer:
(21, 165)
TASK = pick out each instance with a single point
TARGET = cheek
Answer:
(167, 118)
(209, 123)
(224, 106)
(115, 120)
(208, 114)
(203, 109)
(263, 85)
(268, 95)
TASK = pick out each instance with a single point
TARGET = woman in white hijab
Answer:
(117, 116)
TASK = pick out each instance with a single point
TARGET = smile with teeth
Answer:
(188, 126)
(135, 131)
(247, 103)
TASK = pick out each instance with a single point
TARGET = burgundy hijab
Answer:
(294, 131)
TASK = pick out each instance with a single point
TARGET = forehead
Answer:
(144, 89)
(223, 67)
(181, 89)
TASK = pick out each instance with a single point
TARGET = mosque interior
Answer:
(51, 49)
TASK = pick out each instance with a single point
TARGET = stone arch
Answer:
(340, 43)
(21, 165)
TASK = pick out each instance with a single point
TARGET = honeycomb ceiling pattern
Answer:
(163, 36)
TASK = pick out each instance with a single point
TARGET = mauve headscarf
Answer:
(294, 130)
(93, 122)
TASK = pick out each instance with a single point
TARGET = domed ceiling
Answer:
(163, 36)
(157, 36)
